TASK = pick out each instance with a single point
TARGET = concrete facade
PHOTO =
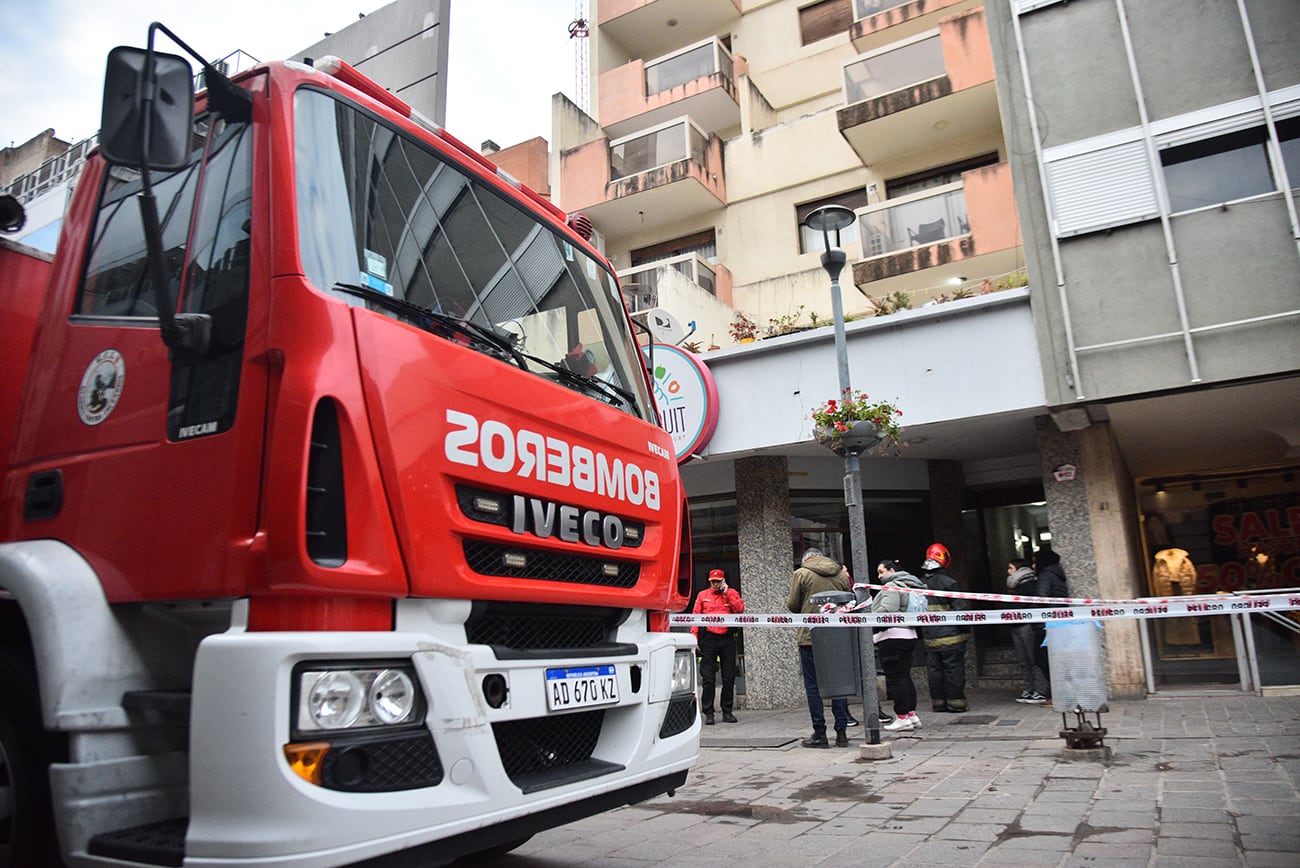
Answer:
(1098, 365)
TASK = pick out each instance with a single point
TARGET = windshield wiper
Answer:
(615, 395)
(440, 323)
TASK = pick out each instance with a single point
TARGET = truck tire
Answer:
(26, 824)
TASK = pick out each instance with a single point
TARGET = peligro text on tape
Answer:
(1039, 601)
(1131, 609)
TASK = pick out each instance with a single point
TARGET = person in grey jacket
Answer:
(817, 573)
(896, 644)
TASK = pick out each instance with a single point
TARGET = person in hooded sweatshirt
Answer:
(817, 573)
(896, 644)
(1027, 639)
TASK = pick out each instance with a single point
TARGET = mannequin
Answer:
(1174, 575)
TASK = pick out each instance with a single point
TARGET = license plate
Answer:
(581, 686)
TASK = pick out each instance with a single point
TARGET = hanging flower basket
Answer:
(855, 423)
(858, 438)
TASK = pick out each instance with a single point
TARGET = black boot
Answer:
(841, 738)
(708, 718)
(817, 739)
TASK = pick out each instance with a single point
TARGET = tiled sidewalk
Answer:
(1191, 780)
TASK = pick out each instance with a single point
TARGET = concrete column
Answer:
(772, 678)
(1094, 529)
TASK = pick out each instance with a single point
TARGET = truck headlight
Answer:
(683, 671)
(332, 699)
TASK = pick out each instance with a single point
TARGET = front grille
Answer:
(515, 630)
(550, 751)
(491, 559)
(382, 764)
(679, 718)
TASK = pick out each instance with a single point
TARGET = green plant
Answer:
(961, 292)
(892, 303)
(785, 324)
(742, 328)
(837, 416)
(1012, 280)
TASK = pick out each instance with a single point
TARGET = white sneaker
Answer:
(902, 723)
(915, 719)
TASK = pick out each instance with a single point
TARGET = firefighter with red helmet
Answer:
(945, 644)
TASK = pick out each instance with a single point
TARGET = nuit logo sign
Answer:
(685, 396)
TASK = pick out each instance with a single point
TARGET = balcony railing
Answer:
(676, 140)
(913, 221)
(867, 8)
(695, 61)
(641, 284)
(894, 69)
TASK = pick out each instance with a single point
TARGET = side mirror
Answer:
(147, 99)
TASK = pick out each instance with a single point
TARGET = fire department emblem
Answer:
(101, 386)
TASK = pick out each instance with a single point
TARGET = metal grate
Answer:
(490, 559)
(680, 717)
(544, 628)
(544, 747)
(383, 765)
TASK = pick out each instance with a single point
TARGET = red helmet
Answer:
(938, 553)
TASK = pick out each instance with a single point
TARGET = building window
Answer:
(824, 19)
(812, 242)
(1288, 133)
(1217, 170)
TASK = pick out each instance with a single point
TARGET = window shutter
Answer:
(1100, 189)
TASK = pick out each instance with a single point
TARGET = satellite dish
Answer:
(663, 326)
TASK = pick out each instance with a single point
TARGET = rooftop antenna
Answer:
(580, 31)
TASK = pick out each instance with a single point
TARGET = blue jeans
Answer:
(839, 707)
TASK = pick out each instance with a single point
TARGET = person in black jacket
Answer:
(1028, 638)
(1051, 577)
(945, 644)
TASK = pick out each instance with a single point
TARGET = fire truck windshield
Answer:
(382, 216)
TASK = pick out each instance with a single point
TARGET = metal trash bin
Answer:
(1078, 664)
(836, 652)
(1074, 652)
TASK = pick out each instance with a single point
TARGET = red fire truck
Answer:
(336, 523)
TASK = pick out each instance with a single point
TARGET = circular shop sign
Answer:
(686, 395)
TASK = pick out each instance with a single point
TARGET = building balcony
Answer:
(644, 181)
(650, 28)
(926, 244)
(642, 283)
(697, 81)
(877, 23)
(935, 87)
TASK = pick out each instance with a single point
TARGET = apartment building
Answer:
(717, 126)
(1155, 147)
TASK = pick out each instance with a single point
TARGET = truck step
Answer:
(164, 701)
(161, 843)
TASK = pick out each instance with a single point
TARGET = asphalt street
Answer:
(1188, 779)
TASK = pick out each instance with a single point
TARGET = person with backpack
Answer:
(945, 644)
(896, 644)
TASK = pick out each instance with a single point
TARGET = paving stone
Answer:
(1199, 847)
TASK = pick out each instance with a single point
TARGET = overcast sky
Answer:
(507, 56)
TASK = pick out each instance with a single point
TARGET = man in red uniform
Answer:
(717, 643)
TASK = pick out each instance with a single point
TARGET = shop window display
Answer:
(1220, 533)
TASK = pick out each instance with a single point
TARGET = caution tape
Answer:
(1042, 601)
(1103, 611)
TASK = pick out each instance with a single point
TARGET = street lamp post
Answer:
(827, 220)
